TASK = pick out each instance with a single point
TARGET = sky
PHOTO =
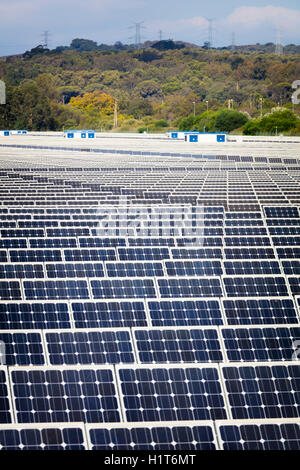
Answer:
(108, 21)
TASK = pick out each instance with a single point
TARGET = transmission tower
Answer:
(210, 32)
(160, 35)
(137, 37)
(233, 45)
(45, 37)
(279, 46)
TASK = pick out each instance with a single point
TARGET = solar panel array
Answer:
(143, 334)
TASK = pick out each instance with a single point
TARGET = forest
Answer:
(154, 89)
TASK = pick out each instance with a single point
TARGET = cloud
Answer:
(255, 17)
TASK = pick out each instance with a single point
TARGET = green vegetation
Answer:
(164, 86)
(277, 122)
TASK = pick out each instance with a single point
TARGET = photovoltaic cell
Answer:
(23, 348)
(60, 289)
(263, 390)
(257, 344)
(43, 437)
(281, 212)
(251, 267)
(271, 434)
(123, 288)
(153, 436)
(26, 315)
(255, 286)
(259, 311)
(249, 253)
(171, 393)
(109, 314)
(143, 254)
(136, 269)
(74, 270)
(90, 255)
(43, 395)
(197, 253)
(10, 290)
(89, 347)
(194, 268)
(177, 345)
(5, 408)
(21, 271)
(190, 287)
(33, 256)
(185, 312)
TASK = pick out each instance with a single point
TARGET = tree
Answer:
(228, 120)
(95, 103)
(81, 45)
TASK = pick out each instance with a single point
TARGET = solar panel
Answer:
(177, 345)
(271, 434)
(194, 268)
(153, 436)
(197, 253)
(22, 347)
(264, 311)
(83, 347)
(294, 283)
(288, 252)
(52, 243)
(123, 288)
(60, 394)
(58, 289)
(12, 243)
(10, 290)
(101, 242)
(5, 400)
(33, 256)
(281, 211)
(190, 287)
(74, 270)
(143, 254)
(260, 343)
(30, 315)
(185, 312)
(43, 437)
(258, 391)
(242, 267)
(255, 286)
(171, 393)
(249, 253)
(109, 314)
(90, 255)
(291, 266)
(247, 241)
(21, 271)
(134, 269)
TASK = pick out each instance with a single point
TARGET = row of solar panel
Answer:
(280, 212)
(133, 288)
(150, 346)
(190, 268)
(151, 313)
(207, 213)
(140, 393)
(220, 435)
(150, 253)
(197, 230)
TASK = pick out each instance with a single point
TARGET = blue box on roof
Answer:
(80, 134)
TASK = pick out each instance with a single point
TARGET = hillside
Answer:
(154, 88)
